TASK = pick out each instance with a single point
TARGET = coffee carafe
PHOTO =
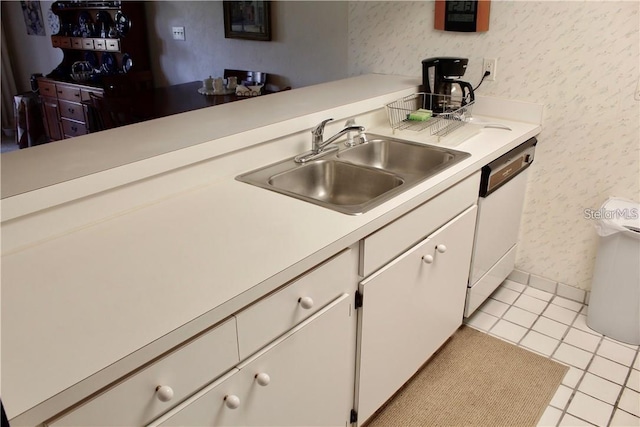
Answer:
(440, 78)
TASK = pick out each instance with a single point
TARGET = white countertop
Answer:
(132, 284)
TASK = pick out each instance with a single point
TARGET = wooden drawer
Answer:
(85, 94)
(390, 241)
(87, 44)
(133, 402)
(272, 316)
(113, 45)
(68, 93)
(47, 89)
(71, 128)
(65, 42)
(71, 110)
(76, 42)
(55, 41)
(99, 44)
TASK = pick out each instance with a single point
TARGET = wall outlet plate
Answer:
(490, 65)
(178, 33)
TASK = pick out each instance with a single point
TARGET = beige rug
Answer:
(475, 380)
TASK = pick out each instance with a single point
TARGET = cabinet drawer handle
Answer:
(305, 302)
(164, 393)
(263, 379)
(71, 110)
(74, 128)
(428, 259)
(441, 248)
(232, 401)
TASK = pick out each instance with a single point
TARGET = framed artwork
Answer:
(249, 20)
(33, 17)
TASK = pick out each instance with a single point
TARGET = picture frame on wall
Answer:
(250, 20)
(33, 17)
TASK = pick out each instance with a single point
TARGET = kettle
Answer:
(440, 78)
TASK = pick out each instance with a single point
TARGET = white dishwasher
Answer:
(502, 189)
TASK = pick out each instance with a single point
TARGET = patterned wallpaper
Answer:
(581, 60)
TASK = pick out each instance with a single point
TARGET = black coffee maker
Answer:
(440, 78)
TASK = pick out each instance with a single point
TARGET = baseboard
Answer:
(548, 285)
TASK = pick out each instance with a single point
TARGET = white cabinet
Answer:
(410, 308)
(305, 377)
(265, 320)
(153, 390)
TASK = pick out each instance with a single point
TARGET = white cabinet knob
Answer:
(263, 379)
(305, 302)
(428, 259)
(232, 401)
(164, 393)
(441, 248)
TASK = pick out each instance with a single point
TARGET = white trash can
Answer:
(614, 304)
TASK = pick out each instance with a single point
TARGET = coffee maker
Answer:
(440, 78)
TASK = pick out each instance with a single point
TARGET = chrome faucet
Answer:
(317, 134)
(319, 145)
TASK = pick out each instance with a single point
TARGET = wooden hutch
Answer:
(110, 36)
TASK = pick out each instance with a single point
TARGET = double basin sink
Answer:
(356, 179)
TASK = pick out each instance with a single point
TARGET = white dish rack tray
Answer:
(440, 124)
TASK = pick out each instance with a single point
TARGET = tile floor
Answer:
(602, 386)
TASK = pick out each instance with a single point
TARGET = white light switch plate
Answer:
(178, 33)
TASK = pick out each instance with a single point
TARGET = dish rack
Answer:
(440, 124)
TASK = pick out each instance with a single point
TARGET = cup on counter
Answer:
(232, 83)
(218, 84)
(207, 84)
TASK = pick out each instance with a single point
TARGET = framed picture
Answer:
(249, 20)
(33, 18)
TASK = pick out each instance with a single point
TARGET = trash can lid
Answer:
(622, 212)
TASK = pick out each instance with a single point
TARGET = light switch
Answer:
(178, 33)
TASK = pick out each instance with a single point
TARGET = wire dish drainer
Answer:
(440, 124)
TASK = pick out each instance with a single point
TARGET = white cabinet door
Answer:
(410, 308)
(304, 378)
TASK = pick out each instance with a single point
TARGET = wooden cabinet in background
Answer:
(64, 108)
(51, 114)
(111, 36)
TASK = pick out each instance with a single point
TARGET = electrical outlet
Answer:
(490, 65)
(178, 33)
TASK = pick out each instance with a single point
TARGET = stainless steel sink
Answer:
(356, 179)
(335, 182)
(401, 157)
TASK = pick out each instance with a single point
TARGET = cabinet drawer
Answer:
(47, 89)
(85, 94)
(56, 41)
(113, 45)
(71, 110)
(76, 42)
(388, 242)
(65, 42)
(133, 402)
(99, 44)
(68, 93)
(72, 128)
(270, 317)
(87, 44)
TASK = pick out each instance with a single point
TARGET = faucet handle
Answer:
(319, 129)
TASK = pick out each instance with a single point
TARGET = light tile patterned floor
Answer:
(602, 386)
